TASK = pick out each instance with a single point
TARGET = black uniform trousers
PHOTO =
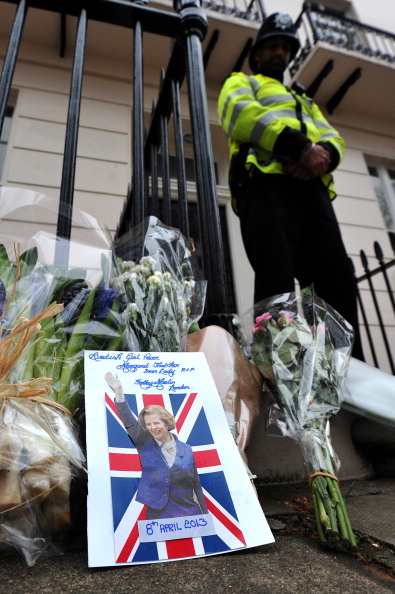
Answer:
(290, 231)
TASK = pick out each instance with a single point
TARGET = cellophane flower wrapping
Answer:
(76, 272)
(41, 458)
(302, 347)
(158, 275)
(237, 380)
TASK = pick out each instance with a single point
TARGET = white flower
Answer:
(117, 284)
(148, 261)
(140, 269)
(127, 265)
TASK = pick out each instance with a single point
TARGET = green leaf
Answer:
(61, 285)
(4, 259)
(74, 351)
(29, 257)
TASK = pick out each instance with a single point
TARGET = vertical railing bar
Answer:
(147, 193)
(387, 45)
(71, 140)
(154, 203)
(10, 59)
(380, 258)
(63, 35)
(183, 222)
(307, 11)
(367, 328)
(194, 27)
(364, 317)
(378, 311)
(137, 205)
(166, 200)
(262, 9)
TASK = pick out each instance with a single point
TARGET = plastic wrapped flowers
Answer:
(39, 450)
(75, 272)
(92, 318)
(302, 348)
(164, 298)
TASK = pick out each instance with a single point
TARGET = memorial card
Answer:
(165, 478)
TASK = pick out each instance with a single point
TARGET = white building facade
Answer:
(34, 129)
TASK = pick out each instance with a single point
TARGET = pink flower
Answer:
(285, 320)
(259, 321)
(263, 318)
(288, 318)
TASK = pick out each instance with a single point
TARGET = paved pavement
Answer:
(295, 563)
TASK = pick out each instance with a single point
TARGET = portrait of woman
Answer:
(169, 484)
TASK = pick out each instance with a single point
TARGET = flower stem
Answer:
(320, 530)
(345, 517)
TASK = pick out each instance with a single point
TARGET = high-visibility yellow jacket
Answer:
(275, 122)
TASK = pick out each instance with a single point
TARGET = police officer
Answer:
(283, 151)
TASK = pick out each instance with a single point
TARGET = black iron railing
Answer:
(367, 282)
(251, 10)
(186, 27)
(316, 26)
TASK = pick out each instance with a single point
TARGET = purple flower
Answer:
(103, 302)
(3, 303)
(3, 297)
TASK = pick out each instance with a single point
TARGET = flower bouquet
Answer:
(93, 316)
(156, 274)
(39, 450)
(302, 347)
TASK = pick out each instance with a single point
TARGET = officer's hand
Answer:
(299, 171)
(316, 159)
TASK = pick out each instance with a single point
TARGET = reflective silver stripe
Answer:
(254, 83)
(329, 134)
(269, 117)
(324, 125)
(307, 118)
(260, 126)
(235, 114)
(276, 99)
(280, 113)
(240, 91)
(286, 113)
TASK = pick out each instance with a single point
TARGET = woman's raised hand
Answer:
(115, 385)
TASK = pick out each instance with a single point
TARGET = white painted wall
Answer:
(34, 162)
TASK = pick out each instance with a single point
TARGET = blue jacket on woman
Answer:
(169, 490)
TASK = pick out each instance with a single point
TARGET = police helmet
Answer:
(278, 24)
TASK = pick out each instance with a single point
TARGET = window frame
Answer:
(383, 167)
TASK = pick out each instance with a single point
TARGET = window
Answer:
(5, 134)
(383, 180)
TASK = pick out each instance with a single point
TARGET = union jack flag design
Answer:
(125, 471)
